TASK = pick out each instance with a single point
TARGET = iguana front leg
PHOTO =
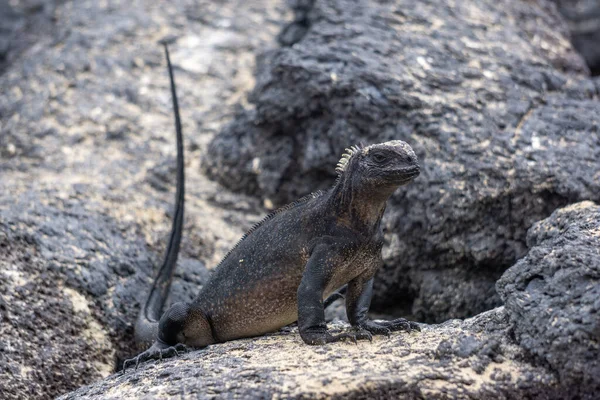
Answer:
(358, 301)
(311, 314)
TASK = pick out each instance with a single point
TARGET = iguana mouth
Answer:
(405, 174)
(413, 170)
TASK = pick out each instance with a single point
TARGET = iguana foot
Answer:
(323, 337)
(158, 351)
(401, 324)
(386, 327)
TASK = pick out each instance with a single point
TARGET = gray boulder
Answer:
(552, 296)
(22, 24)
(491, 96)
(69, 279)
(543, 344)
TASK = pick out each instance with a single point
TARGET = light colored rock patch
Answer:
(94, 331)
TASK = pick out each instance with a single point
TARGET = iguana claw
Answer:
(156, 352)
(386, 327)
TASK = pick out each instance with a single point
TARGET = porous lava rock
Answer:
(87, 171)
(543, 344)
(552, 296)
(491, 96)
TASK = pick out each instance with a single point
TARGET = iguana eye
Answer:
(378, 158)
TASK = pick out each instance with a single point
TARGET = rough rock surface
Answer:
(553, 295)
(543, 344)
(471, 359)
(87, 168)
(86, 193)
(491, 96)
(23, 23)
(583, 20)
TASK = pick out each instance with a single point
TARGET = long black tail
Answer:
(147, 323)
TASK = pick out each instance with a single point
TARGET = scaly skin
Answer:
(282, 269)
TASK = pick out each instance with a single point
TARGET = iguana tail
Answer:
(146, 328)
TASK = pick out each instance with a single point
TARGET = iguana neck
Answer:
(358, 206)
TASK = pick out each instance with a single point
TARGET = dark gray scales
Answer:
(283, 268)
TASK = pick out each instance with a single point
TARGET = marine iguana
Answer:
(287, 264)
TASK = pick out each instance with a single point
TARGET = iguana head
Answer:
(383, 165)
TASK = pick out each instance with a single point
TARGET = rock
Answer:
(72, 276)
(552, 296)
(583, 20)
(86, 143)
(490, 95)
(472, 359)
(86, 174)
(55, 258)
(543, 344)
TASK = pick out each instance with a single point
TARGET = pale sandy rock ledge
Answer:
(471, 359)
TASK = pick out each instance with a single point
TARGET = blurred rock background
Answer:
(583, 20)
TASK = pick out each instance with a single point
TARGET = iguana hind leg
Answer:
(182, 325)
